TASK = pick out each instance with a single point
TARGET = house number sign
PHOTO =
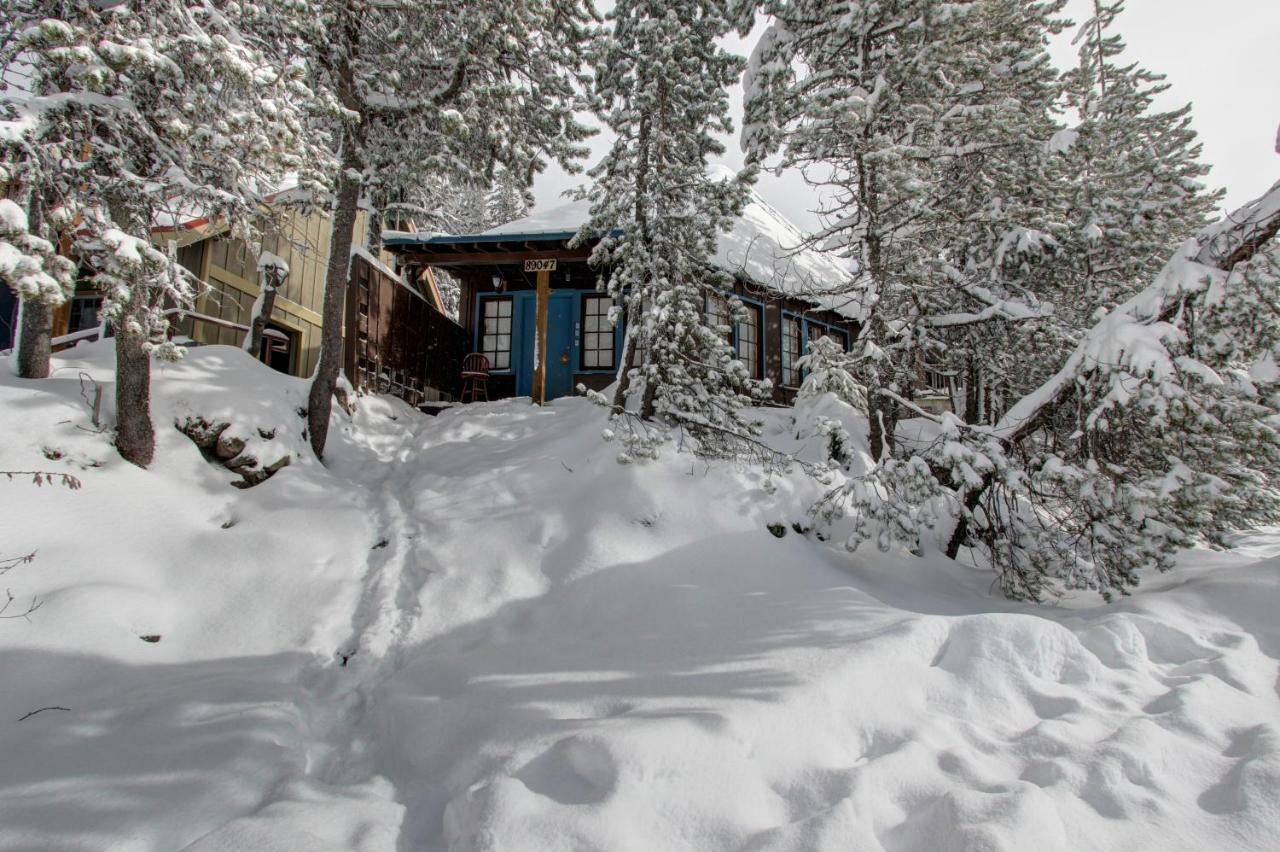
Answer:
(540, 266)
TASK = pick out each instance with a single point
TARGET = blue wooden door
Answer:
(560, 344)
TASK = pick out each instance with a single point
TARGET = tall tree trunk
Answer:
(628, 355)
(337, 272)
(882, 414)
(972, 395)
(35, 332)
(647, 402)
(135, 435)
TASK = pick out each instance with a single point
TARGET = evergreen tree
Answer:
(661, 86)
(507, 200)
(436, 91)
(927, 120)
(1134, 172)
(1160, 430)
(141, 113)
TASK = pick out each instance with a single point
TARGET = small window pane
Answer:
(748, 342)
(598, 333)
(790, 351)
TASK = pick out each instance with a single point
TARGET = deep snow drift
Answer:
(479, 631)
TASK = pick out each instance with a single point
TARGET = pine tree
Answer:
(927, 120)
(507, 200)
(1134, 172)
(1160, 430)
(143, 112)
(661, 86)
(436, 91)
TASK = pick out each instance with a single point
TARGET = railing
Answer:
(91, 334)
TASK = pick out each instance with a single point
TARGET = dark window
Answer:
(191, 257)
(597, 333)
(277, 347)
(816, 331)
(84, 313)
(791, 351)
(496, 342)
(748, 343)
(938, 381)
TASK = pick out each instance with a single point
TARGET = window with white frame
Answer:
(748, 342)
(496, 340)
(597, 333)
(791, 351)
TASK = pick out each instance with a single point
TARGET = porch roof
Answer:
(763, 248)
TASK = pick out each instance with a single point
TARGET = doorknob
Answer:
(564, 357)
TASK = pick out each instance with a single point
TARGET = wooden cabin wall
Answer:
(396, 333)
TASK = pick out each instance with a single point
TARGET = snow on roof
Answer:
(764, 247)
(562, 219)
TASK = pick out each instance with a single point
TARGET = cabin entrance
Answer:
(560, 343)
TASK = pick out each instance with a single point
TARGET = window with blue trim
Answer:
(747, 344)
(718, 314)
(791, 351)
(742, 333)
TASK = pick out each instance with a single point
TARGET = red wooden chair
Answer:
(475, 378)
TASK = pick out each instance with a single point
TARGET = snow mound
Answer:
(478, 631)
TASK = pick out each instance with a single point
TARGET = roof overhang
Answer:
(485, 249)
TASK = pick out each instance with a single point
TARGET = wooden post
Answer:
(540, 342)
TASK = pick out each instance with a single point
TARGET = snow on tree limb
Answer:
(1210, 257)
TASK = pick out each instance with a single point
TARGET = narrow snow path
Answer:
(547, 650)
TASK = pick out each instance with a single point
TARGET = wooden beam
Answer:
(540, 342)
(490, 258)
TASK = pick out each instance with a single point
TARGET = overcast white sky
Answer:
(1222, 56)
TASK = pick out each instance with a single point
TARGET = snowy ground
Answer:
(547, 650)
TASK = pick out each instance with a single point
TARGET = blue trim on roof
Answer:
(455, 239)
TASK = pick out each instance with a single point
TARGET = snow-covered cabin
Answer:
(791, 295)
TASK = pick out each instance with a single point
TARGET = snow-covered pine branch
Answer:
(1161, 429)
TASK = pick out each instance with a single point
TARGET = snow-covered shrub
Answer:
(831, 370)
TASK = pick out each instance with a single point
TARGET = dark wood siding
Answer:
(397, 340)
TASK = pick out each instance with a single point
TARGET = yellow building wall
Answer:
(229, 267)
